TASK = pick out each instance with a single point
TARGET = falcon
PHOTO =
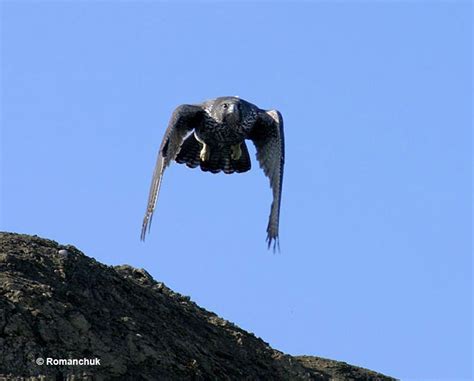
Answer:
(212, 135)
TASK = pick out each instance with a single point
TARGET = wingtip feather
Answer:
(275, 241)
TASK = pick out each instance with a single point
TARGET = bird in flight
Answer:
(211, 135)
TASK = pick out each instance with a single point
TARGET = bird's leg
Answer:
(235, 151)
(205, 152)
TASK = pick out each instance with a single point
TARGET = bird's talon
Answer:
(235, 152)
(205, 153)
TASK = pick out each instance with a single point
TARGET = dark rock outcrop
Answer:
(58, 304)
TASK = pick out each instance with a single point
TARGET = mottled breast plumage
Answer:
(221, 126)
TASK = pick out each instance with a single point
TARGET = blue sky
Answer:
(375, 266)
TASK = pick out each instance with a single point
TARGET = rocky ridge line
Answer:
(55, 302)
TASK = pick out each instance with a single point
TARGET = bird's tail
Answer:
(220, 158)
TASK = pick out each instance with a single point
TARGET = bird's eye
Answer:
(225, 105)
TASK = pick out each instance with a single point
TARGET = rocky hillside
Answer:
(57, 304)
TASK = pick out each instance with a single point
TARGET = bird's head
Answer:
(228, 109)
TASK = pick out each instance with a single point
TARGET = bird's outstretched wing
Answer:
(184, 119)
(267, 135)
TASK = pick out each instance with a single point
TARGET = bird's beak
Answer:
(234, 112)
